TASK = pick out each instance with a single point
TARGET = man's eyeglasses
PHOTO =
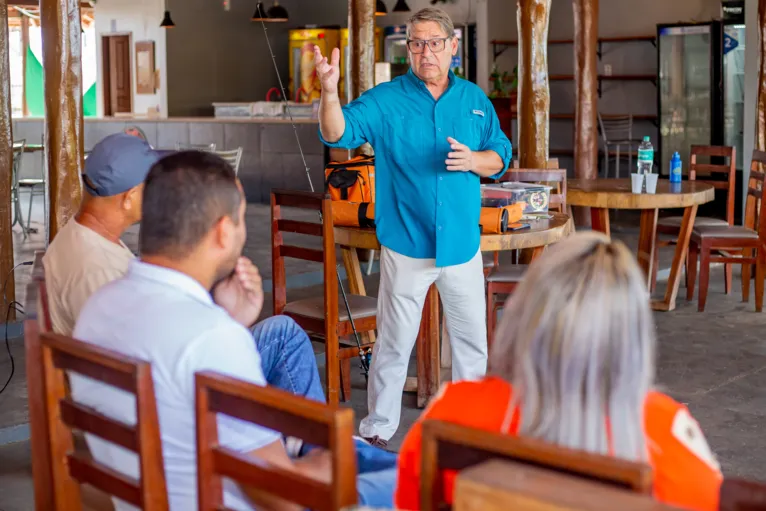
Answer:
(419, 45)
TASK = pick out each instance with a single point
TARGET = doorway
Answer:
(115, 70)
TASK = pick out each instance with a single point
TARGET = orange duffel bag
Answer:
(353, 214)
(352, 180)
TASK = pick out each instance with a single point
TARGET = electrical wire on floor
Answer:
(8, 344)
(18, 308)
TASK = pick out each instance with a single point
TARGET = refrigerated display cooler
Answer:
(701, 96)
(304, 82)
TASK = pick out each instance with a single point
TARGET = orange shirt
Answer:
(686, 474)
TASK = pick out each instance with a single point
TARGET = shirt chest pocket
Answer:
(468, 129)
(405, 135)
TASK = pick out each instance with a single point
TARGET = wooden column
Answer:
(586, 93)
(60, 21)
(361, 41)
(6, 164)
(534, 94)
(760, 120)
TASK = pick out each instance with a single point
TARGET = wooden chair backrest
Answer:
(37, 320)
(500, 485)
(553, 163)
(70, 469)
(280, 250)
(755, 215)
(706, 170)
(447, 446)
(315, 423)
(742, 495)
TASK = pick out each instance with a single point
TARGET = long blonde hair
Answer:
(576, 342)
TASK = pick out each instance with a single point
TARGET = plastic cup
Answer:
(651, 183)
(637, 182)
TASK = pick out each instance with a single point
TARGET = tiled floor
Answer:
(715, 362)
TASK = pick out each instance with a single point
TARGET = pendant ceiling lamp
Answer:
(401, 6)
(380, 8)
(275, 14)
(167, 22)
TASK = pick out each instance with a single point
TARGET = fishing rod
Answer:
(365, 357)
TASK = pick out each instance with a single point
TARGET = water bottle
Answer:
(645, 157)
(675, 168)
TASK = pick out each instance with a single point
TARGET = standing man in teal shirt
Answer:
(434, 136)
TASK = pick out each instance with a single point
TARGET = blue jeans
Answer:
(289, 364)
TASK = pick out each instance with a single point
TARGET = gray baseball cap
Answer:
(118, 163)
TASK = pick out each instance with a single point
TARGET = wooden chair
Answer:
(491, 259)
(672, 225)
(36, 321)
(502, 280)
(70, 469)
(447, 446)
(320, 315)
(733, 244)
(499, 485)
(741, 495)
(315, 423)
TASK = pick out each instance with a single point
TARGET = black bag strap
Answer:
(362, 215)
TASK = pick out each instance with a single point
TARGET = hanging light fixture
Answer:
(380, 8)
(276, 13)
(167, 22)
(401, 6)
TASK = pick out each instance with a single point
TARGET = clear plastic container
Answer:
(536, 197)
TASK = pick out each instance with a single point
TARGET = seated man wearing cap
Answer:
(88, 252)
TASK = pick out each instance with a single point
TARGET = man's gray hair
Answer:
(432, 14)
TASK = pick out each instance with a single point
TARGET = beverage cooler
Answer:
(701, 91)
(345, 59)
(395, 49)
(304, 82)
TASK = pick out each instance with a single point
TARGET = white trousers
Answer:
(404, 283)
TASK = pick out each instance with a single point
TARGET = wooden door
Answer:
(118, 97)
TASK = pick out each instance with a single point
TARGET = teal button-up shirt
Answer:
(423, 210)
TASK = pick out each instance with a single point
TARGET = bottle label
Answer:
(645, 155)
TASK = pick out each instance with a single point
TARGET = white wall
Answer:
(141, 18)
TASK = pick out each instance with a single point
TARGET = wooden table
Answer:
(601, 195)
(540, 234)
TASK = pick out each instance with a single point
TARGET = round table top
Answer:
(617, 194)
(540, 233)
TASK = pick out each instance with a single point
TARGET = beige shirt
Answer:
(78, 262)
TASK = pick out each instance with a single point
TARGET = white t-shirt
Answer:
(78, 262)
(169, 320)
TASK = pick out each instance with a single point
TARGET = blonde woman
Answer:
(573, 364)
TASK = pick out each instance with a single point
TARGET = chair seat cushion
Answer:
(724, 231)
(675, 221)
(508, 273)
(361, 307)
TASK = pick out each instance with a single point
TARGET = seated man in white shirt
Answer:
(186, 306)
(88, 252)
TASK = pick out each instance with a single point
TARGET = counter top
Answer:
(222, 120)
